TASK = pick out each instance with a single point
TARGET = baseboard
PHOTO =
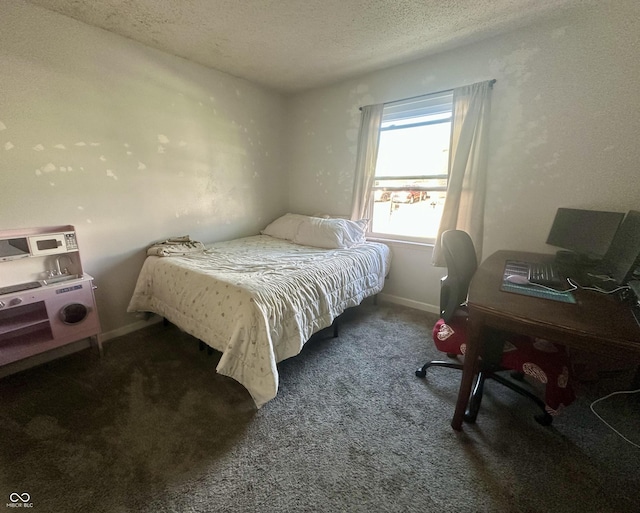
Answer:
(130, 328)
(418, 305)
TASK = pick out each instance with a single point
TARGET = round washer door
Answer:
(74, 313)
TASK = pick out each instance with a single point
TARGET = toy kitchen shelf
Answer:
(46, 301)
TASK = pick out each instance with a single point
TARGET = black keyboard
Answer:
(20, 286)
(546, 274)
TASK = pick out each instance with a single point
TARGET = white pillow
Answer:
(285, 227)
(330, 233)
(356, 230)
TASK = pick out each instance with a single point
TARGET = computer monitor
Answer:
(623, 255)
(586, 233)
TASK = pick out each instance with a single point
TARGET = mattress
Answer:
(258, 299)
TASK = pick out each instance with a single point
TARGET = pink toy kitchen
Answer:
(46, 300)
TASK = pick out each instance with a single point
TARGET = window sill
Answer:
(403, 243)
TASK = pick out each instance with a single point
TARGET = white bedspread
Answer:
(258, 299)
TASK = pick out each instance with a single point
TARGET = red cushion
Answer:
(546, 362)
(451, 338)
(538, 358)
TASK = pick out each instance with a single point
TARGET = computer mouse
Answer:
(517, 279)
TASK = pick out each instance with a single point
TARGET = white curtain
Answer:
(464, 203)
(368, 139)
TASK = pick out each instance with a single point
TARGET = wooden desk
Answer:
(596, 323)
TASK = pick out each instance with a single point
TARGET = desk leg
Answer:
(474, 348)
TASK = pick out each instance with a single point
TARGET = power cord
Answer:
(576, 285)
(605, 422)
(601, 277)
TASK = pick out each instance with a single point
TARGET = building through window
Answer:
(412, 168)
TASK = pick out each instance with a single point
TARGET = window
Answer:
(412, 168)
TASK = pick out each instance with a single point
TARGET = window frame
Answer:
(434, 109)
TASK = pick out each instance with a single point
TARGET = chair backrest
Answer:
(460, 257)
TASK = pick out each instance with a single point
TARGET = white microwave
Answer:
(52, 243)
(38, 245)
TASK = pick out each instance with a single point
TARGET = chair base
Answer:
(422, 371)
(544, 418)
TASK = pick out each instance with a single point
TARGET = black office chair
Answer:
(450, 335)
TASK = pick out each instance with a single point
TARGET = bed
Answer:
(258, 299)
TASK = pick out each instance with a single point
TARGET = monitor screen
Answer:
(622, 257)
(588, 233)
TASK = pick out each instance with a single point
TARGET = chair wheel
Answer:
(421, 372)
(544, 419)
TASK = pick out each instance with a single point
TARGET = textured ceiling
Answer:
(293, 45)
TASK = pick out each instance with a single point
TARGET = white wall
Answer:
(565, 131)
(130, 145)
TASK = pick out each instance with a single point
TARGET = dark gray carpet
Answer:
(152, 428)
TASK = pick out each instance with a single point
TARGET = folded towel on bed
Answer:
(176, 246)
